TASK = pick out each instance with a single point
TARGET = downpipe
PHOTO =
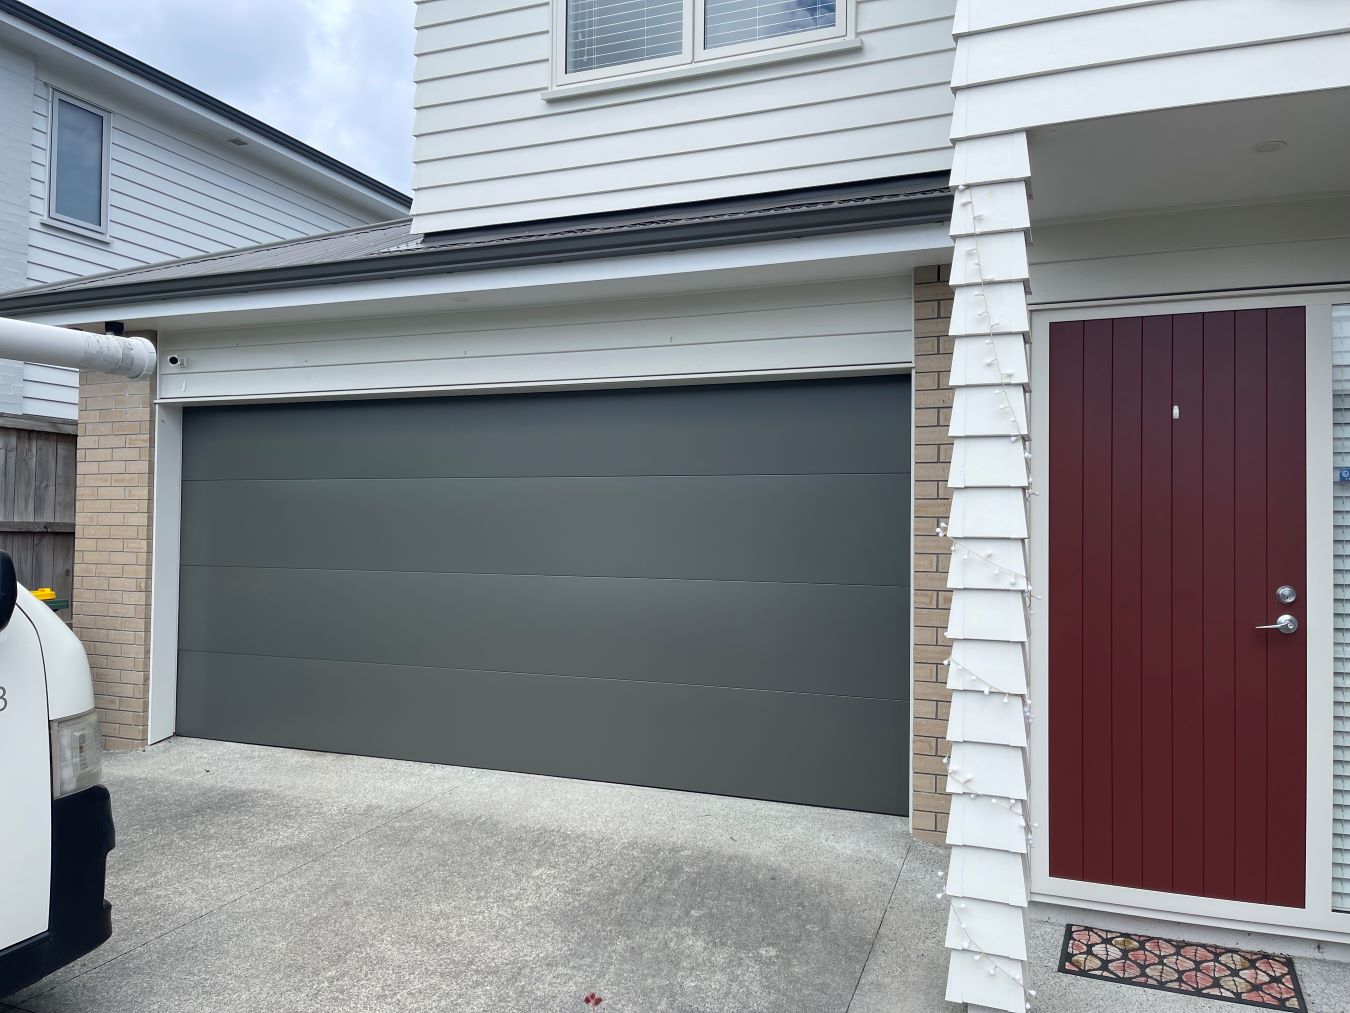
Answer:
(133, 358)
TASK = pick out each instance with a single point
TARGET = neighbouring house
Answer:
(714, 424)
(107, 163)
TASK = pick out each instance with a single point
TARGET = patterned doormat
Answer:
(1173, 965)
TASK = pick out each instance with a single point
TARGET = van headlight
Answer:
(77, 754)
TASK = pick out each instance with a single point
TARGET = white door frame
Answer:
(1316, 919)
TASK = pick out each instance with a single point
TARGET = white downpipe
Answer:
(133, 358)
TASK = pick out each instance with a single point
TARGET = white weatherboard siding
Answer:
(857, 325)
(490, 149)
(16, 84)
(987, 773)
(1254, 246)
(1340, 784)
(168, 197)
(1054, 61)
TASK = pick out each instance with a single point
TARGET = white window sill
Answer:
(75, 230)
(622, 82)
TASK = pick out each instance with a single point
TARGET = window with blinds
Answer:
(608, 33)
(734, 22)
(604, 38)
(1340, 762)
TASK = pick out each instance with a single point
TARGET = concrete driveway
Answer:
(254, 879)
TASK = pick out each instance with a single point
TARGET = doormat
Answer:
(1173, 965)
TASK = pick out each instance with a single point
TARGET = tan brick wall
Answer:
(932, 503)
(111, 606)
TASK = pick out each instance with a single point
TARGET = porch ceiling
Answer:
(1200, 155)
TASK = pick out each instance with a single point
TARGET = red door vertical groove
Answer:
(1215, 612)
(1098, 808)
(1188, 653)
(1065, 710)
(1177, 506)
(1126, 589)
(1254, 601)
(1155, 561)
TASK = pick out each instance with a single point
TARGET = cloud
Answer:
(338, 74)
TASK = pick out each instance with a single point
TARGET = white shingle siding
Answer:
(489, 149)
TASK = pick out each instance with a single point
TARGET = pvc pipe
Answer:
(133, 358)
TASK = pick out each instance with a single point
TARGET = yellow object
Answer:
(44, 594)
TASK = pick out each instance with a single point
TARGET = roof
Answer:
(134, 67)
(391, 249)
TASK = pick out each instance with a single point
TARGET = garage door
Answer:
(701, 588)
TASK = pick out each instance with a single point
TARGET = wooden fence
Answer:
(37, 501)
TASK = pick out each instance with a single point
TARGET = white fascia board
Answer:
(987, 875)
(991, 208)
(970, 982)
(979, 359)
(1002, 772)
(1169, 82)
(999, 159)
(987, 615)
(990, 410)
(990, 257)
(988, 564)
(975, 823)
(988, 513)
(996, 664)
(986, 716)
(551, 282)
(990, 462)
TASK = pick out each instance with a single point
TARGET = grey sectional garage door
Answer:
(690, 587)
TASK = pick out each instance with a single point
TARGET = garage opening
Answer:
(702, 587)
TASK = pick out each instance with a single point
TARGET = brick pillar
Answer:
(932, 503)
(111, 606)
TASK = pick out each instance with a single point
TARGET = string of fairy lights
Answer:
(965, 779)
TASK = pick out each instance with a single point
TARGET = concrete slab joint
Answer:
(990, 826)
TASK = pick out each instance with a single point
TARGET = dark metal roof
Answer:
(391, 249)
(91, 45)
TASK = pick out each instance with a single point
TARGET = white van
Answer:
(56, 824)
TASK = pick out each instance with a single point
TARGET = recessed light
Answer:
(1266, 147)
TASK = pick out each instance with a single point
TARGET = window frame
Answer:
(562, 76)
(693, 54)
(53, 154)
(840, 29)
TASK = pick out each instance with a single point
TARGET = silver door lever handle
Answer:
(1285, 624)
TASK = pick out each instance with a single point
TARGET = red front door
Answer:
(1177, 510)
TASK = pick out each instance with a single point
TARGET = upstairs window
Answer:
(78, 163)
(604, 38)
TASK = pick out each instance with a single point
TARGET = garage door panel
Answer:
(700, 587)
(804, 748)
(813, 528)
(846, 640)
(696, 430)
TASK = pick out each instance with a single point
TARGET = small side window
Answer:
(77, 184)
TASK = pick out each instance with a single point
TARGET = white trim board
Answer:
(1316, 919)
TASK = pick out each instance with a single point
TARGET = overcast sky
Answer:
(335, 73)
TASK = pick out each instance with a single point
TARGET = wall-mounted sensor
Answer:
(176, 360)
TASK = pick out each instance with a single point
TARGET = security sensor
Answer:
(176, 360)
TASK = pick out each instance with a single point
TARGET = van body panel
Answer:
(70, 686)
(26, 788)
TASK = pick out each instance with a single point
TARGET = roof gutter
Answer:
(930, 206)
